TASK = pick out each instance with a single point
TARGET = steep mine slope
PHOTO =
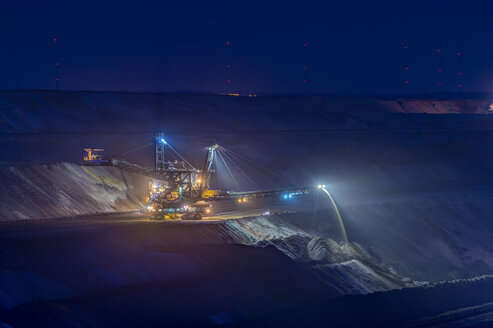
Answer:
(64, 189)
(138, 272)
(437, 236)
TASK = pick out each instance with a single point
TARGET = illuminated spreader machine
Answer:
(177, 191)
(182, 192)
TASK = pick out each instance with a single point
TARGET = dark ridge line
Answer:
(181, 132)
(439, 96)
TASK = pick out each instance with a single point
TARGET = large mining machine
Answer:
(183, 192)
(179, 190)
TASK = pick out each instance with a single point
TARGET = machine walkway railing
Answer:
(127, 166)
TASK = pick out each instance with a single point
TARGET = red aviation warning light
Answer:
(227, 68)
(405, 63)
(56, 47)
(459, 68)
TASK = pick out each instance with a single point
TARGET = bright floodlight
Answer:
(163, 141)
(321, 186)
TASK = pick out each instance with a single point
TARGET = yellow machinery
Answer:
(207, 193)
(180, 190)
(93, 154)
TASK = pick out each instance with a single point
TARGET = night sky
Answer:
(346, 46)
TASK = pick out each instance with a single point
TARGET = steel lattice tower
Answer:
(159, 157)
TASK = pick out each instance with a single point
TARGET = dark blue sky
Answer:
(352, 46)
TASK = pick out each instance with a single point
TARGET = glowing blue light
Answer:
(163, 141)
(285, 196)
(290, 195)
